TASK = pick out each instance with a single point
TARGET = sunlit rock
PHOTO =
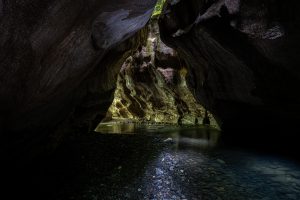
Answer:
(152, 87)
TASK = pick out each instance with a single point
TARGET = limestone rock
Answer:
(153, 88)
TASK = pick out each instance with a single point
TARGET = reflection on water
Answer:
(164, 162)
(116, 128)
(202, 137)
(187, 165)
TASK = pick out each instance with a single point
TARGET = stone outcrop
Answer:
(59, 61)
(151, 87)
(242, 57)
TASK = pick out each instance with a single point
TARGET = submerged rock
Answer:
(168, 140)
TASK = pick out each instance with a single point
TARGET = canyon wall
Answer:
(243, 59)
(152, 87)
(59, 61)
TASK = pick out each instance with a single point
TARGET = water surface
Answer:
(162, 162)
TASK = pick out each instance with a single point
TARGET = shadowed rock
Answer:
(242, 57)
(57, 55)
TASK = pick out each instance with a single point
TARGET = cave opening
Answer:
(152, 89)
(155, 100)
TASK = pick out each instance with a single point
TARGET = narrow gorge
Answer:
(150, 99)
(152, 88)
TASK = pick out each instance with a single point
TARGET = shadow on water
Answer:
(93, 166)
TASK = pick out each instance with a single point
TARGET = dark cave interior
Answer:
(160, 100)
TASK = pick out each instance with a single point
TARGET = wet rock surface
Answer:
(151, 166)
(151, 87)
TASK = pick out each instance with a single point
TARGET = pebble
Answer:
(168, 140)
(158, 171)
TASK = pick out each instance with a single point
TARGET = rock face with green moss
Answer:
(152, 87)
(158, 8)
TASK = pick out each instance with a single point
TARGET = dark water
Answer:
(162, 163)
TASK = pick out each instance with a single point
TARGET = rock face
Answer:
(151, 87)
(243, 58)
(58, 61)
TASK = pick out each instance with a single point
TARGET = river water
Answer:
(158, 162)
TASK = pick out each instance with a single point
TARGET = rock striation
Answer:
(152, 87)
